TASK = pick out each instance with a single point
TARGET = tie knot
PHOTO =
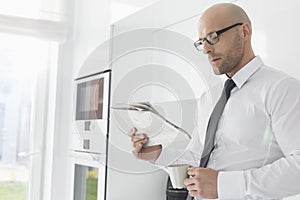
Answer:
(228, 86)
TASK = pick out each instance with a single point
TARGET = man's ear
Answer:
(247, 31)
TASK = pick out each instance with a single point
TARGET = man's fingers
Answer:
(192, 171)
(143, 140)
(194, 193)
(132, 132)
(192, 187)
(139, 142)
(139, 150)
(138, 137)
(137, 147)
(189, 181)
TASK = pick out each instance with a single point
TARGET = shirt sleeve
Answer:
(277, 180)
(282, 177)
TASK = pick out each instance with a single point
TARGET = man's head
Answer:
(230, 49)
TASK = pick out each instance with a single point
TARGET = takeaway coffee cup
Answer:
(177, 174)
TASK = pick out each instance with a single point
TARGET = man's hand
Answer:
(202, 182)
(149, 153)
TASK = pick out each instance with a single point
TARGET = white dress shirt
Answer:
(257, 144)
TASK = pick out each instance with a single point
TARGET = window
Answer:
(23, 63)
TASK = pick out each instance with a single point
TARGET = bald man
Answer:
(256, 152)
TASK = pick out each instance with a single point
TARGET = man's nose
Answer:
(207, 48)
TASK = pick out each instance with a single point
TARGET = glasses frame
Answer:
(198, 44)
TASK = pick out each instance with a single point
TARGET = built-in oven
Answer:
(91, 113)
(89, 137)
(88, 179)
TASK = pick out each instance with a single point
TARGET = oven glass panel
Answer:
(90, 100)
(85, 183)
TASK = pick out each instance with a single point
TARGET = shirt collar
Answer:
(241, 76)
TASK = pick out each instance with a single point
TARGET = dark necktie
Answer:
(213, 122)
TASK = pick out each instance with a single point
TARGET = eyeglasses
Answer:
(213, 38)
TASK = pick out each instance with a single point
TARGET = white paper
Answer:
(147, 120)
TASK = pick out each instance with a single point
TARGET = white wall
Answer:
(91, 29)
(275, 32)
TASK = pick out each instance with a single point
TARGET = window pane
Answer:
(21, 59)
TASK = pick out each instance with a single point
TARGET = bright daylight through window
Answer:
(21, 61)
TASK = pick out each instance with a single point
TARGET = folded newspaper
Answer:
(147, 119)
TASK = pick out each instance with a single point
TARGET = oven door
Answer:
(91, 113)
(92, 97)
(88, 179)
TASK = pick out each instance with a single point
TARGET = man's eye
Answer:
(212, 36)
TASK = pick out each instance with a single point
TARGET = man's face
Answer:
(227, 53)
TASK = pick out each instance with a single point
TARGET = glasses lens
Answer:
(198, 45)
(212, 38)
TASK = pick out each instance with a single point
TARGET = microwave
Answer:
(91, 109)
